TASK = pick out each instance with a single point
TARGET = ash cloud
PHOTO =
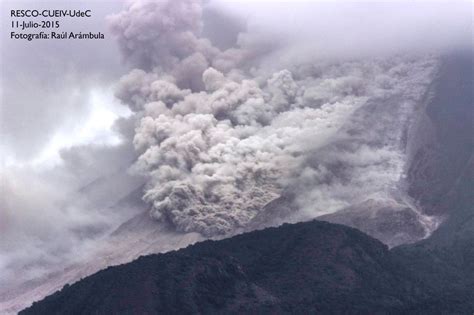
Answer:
(165, 37)
(220, 136)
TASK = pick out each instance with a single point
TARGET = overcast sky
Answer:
(57, 93)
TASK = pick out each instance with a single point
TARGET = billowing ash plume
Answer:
(219, 140)
(164, 35)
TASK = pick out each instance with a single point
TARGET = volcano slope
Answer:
(445, 261)
(312, 266)
(316, 266)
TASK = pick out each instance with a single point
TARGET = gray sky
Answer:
(52, 90)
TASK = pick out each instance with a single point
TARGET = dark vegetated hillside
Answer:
(313, 266)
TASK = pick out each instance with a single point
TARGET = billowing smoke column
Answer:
(164, 36)
(219, 139)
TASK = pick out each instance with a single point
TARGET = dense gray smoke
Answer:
(165, 36)
(218, 141)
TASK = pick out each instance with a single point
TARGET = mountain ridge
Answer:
(314, 265)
